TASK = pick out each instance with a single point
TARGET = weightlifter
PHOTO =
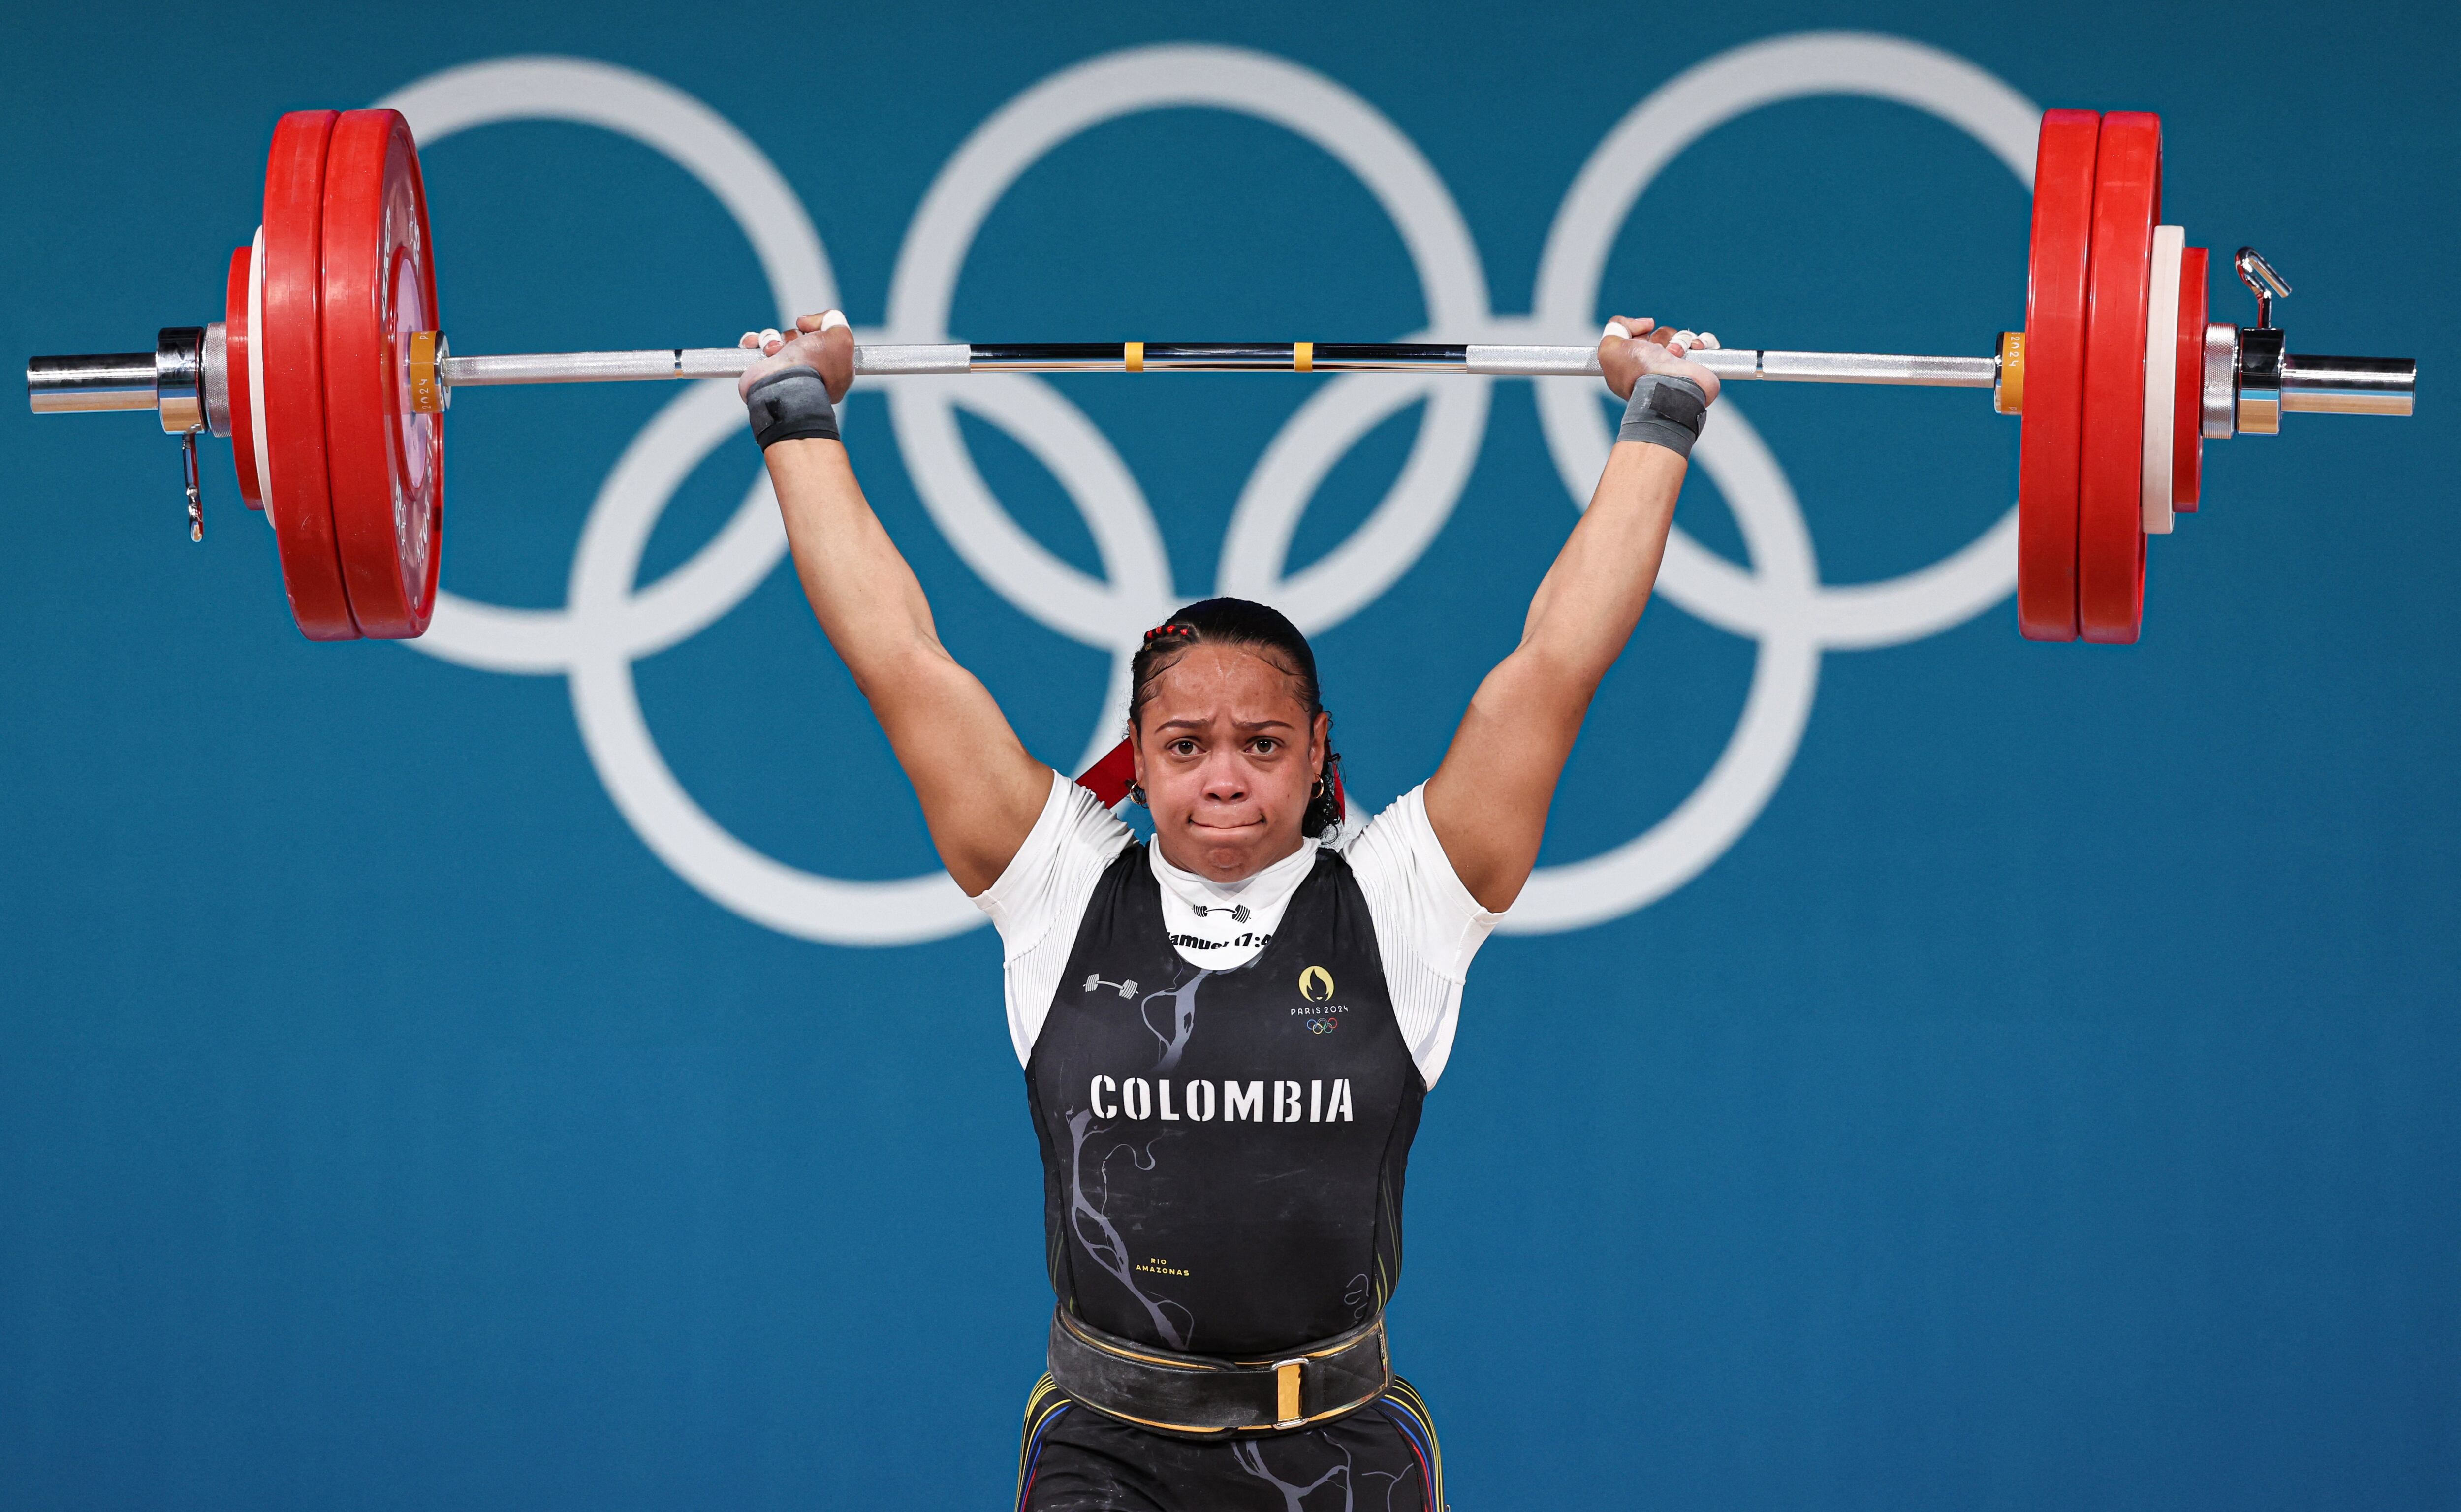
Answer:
(1226, 1034)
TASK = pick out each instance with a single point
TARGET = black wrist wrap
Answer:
(791, 404)
(1665, 411)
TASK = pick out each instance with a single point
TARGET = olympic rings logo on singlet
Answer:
(610, 619)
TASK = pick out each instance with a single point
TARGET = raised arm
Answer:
(981, 793)
(1488, 802)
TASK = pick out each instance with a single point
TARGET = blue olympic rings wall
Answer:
(540, 1068)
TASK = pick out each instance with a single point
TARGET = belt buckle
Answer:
(1288, 1375)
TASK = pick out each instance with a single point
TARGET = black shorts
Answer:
(1379, 1458)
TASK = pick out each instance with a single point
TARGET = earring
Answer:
(1136, 794)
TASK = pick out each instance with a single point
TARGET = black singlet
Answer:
(1223, 1156)
(1223, 1151)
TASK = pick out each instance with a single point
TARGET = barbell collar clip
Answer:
(195, 489)
(2262, 281)
(180, 379)
(2259, 378)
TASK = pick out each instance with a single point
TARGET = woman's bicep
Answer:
(980, 791)
(1488, 802)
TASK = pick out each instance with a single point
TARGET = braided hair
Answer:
(1250, 626)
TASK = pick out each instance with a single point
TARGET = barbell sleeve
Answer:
(92, 381)
(2313, 385)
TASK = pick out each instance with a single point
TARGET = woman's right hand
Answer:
(824, 343)
(1643, 346)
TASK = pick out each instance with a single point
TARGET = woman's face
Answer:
(1227, 755)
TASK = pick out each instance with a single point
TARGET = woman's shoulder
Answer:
(1397, 856)
(1073, 840)
(1399, 826)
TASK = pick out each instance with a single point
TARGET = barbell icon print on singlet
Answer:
(610, 619)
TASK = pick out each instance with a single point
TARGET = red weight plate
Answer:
(2110, 474)
(289, 346)
(235, 368)
(386, 460)
(2055, 312)
(2187, 414)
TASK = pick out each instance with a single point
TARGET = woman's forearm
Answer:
(1591, 596)
(867, 598)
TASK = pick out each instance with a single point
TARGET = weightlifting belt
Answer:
(1201, 1397)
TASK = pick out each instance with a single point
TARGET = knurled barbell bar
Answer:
(331, 375)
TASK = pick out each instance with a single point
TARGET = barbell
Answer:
(331, 374)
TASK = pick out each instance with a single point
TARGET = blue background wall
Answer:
(2049, 1102)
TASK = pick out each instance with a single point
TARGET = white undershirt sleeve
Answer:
(1427, 925)
(1038, 900)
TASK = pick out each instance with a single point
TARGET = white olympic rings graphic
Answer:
(610, 619)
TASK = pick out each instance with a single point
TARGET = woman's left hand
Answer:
(822, 342)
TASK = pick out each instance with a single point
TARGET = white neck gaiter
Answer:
(1220, 925)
